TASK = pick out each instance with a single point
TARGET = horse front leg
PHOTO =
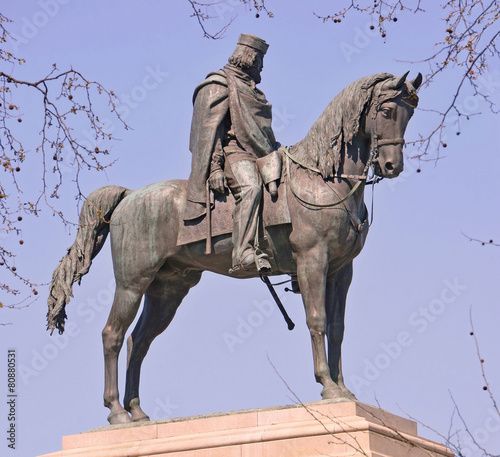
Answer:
(336, 295)
(312, 271)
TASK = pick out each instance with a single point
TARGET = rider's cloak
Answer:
(226, 94)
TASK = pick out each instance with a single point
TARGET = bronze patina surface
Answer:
(231, 129)
(362, 128)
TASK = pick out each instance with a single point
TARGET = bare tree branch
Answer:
(489, 243)
(453, 439)
(202, 16)
(204, 11)
(65, 99)
(357, 447)
(481, 362)
(469, 45)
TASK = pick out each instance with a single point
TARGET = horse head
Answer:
(393, 103)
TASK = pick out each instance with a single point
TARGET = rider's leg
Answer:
(246, 185)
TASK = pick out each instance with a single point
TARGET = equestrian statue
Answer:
(310, 223)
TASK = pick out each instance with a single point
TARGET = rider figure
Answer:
(230, 130)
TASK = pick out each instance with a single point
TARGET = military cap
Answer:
(253, 41)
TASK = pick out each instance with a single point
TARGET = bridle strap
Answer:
(362, 177)
(316, 205)
(376, 142)
(298, 162)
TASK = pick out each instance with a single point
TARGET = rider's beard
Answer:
(255, 74)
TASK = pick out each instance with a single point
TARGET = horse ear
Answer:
(397, 82)
(417, 81)
(402, 79)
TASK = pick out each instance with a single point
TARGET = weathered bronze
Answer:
(230, 131)
(325, 176)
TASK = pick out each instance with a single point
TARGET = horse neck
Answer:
(352, 160)
(353, 156)
(317, 142)
(356, 156)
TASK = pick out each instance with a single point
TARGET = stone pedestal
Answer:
(311, 429)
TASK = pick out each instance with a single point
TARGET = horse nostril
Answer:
(389, 166)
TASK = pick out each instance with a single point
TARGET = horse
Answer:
(325, 175)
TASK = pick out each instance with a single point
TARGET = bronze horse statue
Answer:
(325, 178)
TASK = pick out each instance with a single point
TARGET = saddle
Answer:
(272, 213)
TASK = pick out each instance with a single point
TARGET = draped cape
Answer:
(232, 92)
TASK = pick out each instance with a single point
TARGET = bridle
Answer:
(375, 141)
(361, 179)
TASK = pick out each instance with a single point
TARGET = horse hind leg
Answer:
(163, 297)
(125, 305)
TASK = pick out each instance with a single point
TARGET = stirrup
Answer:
(262, 263)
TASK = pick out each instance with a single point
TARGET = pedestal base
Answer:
(312, 429)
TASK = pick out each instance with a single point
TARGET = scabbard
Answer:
(289, 321)
(208, 248)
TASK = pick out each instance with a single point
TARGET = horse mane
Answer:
(338, 125)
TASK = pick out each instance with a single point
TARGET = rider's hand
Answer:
(217, 182)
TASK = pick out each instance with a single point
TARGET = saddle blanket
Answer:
(273, 213)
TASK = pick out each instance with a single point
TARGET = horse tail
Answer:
(93, 229)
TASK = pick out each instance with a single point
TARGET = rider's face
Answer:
(257, 67)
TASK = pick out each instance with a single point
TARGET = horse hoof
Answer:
(142, 418)
(138, 415)
(348, 394)
(329, 393)
(337, 394)
(121, 417)
(332, 393)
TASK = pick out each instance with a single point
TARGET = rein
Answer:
(360, 178)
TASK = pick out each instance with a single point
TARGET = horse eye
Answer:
(386, 111)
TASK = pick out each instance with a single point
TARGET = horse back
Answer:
(147, 219)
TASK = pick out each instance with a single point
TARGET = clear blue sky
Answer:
(407, 342)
